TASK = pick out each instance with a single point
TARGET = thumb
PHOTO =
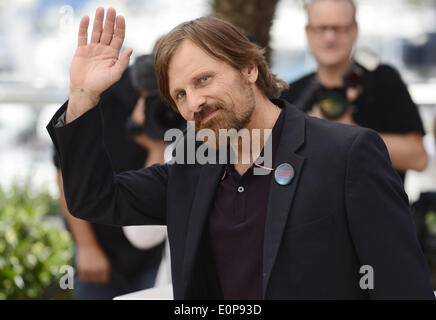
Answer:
(124, 59)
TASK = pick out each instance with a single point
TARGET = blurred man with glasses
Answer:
(357, 90)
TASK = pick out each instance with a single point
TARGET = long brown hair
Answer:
(221, 40)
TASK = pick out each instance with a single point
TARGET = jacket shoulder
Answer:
(327, 138)
(329, 130)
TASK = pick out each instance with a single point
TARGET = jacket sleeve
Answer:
(92, 189)
(381, 225)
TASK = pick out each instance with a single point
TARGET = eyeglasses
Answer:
(336, 29)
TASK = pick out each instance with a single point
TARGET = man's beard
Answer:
(227, 118)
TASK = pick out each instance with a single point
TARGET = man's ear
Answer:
(356, 32)
(251, 72)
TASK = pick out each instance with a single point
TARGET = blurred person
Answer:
(425, 181)
(357, 91)
(107, 263)
(150, 134)
(330, 204)
(421, 187)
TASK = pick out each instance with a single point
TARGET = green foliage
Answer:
(32, 249)
(430, 221)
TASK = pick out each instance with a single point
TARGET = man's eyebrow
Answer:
(193, 79)
(202, 74)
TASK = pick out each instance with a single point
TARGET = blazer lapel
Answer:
(205, 193)
(280, 197)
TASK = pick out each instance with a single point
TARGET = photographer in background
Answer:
(357, 91)
(150, 134)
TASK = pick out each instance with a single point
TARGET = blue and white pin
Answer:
(284, 174)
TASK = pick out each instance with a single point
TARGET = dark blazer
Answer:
(344, 209)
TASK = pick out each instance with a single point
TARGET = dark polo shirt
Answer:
(237, 227)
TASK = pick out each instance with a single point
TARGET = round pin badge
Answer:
(284, 174)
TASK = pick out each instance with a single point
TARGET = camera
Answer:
(333, 102)
(159, 116)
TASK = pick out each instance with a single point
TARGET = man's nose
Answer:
(330, 34)
(195, 101)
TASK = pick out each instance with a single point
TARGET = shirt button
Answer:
(241, 189)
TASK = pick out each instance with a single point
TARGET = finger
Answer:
(141, 101)
(105, 277)
(97, 28)
(83, 275)
(108, 30)
(312, 112)
(92, 277)
(83, 31)
(123, 62)
(315, 112)
(120, 31)
(97, 277)
(353, 94)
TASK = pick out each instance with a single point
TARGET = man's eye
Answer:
(180, 95)
(204, 79)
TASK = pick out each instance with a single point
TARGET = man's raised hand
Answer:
(96, 65)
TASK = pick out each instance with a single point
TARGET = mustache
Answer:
(206, 110)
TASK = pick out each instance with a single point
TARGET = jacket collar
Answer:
(280, 197)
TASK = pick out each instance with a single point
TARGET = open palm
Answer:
(96, 65)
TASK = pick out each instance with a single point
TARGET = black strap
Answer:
(307, 98)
